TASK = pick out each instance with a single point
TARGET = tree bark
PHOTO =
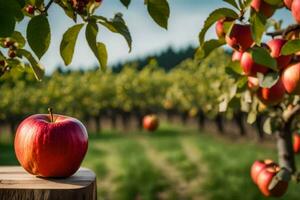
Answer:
(219, 122)
(98, 124)
(239, 120)
(259, 128)
(201, 120)
(285, 148)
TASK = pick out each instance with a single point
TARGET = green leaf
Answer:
(116, 25)
(37, 69)
(125, 2)
(291, 47)
(203, 51)
(68, 42)
(7, 24)
(159, 11)
(268, 80)
(244, 4)
(267, 127)
(251, 117)
(242, 82)
(223, 105)
(39, 35)
(213, 18)
(262, 56)
(258, 24)
(98, 49)
(18, 37)
(274, 2)
(234, 67)
(232, 2)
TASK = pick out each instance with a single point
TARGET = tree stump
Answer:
(17, 184)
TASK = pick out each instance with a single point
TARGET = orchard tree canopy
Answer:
(38, 33)
(266, 75)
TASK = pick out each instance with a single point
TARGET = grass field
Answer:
(172, 163)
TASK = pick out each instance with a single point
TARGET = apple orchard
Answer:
(264, 73)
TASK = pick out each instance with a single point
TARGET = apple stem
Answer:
(50, 110)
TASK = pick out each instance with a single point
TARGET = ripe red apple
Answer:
(288, 4)
(275, 46)
(240, 37)
(250, 67)
(51, 145)
(258, 166)
(220, 27)
(30, 9)
(273, 95)
(296, 10)
(262, 7)
(296, 144)
(264, 179)
(150, 122)
(237, 56)
(253, 83)
(291, 78)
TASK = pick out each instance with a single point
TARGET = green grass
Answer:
(125, 172)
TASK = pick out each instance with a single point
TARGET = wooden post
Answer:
(17, 184)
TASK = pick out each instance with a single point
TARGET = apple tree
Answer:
(265, 68)
(13, 51)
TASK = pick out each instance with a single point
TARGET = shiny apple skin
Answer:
(258, 166)
(273, 95)
(240, 37)
(150, 122)
(275, 46)
(291, 79)
(51, 149)
(261, 6)
(251, 68)
(296, 143)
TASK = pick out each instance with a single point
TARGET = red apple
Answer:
(240, 37)
(150, 122)
(250, 67)
(288, 4)
(253, 83)
(296, 10)
(262, 7)
(51, 145)
(237, 56)
(264, 179)
(258, 166)
(220, 27)
(275, 46)
(273, 95)
(296, 144)
(291, 79)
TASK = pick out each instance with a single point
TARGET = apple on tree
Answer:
(240, 37)
(51, 145)
(261, 6)
(150, 122)
(296, 142)
(258, 166)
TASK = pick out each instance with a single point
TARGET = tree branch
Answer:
(48, 6)
(285, 31)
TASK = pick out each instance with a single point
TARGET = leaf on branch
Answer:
(232, 2)
(213, 18)
(251, 117)
(291, 47)
(204, 51)
(116, 25)
(68, 42)
(268, 80)
(267, 127)
(159, 11)
(258, 24)
(262, 56)
(98, 49)
(37, 68)
(39, 35)
(125, 2)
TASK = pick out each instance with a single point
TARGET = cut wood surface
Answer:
(17, 184)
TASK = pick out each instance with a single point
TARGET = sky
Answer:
(186, 20)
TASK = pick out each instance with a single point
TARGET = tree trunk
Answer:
(113, 118)
(201, 120)
(219, 122)
(285, 148)
(98, 124)
(184, 118)
(139, 119)
(12, 127)
(239, 120)
(125, 120)
(259, 127)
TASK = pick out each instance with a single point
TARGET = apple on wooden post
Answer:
(51, 145)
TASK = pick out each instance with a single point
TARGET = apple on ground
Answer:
(291, 79)
(251, 68)
(51, 145)
(240, 37)
(261, 6)
(258, 166)
(275, 46)
(150, 122)
(273, 95)
(296, 143)
(264, 179)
